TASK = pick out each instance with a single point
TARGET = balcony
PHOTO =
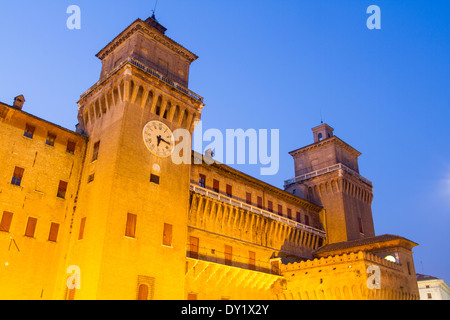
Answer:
(251, 208)
(329, 169)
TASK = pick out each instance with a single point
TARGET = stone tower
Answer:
(327, 173)
(129, 221)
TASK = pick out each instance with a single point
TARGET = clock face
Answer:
(158, 138)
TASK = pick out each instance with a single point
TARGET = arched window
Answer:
(320, 136)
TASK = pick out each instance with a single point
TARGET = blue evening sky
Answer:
(279, 65)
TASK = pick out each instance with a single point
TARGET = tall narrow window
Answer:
(270, 206)
(280, 209)
(5, 224)
(167, 235)
(298, 216)
(306, 220)
(130, 229)
(251, 260)
(229, 191)
(50, 139)
(62, 188)
(259, 202)
(228, 255)
(95, 152)
(248, 198)
(70, 147)
(82, 225)
(31, 227)
(202, 181)
(53, 235)
(289, 213)
(360, 225)
(17, 176)
(216, 185)
(193, 247)
(29, 131)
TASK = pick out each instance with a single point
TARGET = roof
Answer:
(424, 277)
(386, 240)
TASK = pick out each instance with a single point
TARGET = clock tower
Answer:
(128, 233)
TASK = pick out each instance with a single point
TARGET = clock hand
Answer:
(165, 141)
(159, 140)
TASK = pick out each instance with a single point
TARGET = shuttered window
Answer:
(95, 152)
(17, 176)
(29, 131)
(31, 227)
(251, 260)
(53, 235)
(193, 247)
(62, 188)
(202, 181)
(70, 147)
(260, 202)
(229, 191)
(228, 255)
(280, 209)
(216, 185)
(289, 213)
(5, 224)
(270, 206)
(130, 230)
(248, 198)
(167, 235)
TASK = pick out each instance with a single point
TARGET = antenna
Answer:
(154, 9)
(321, 119)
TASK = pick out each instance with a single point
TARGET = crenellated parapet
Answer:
(350, 276)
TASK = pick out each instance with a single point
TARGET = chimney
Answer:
(18, 102)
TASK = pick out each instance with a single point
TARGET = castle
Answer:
(103, 213)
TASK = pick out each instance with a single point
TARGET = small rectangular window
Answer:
(248, 198)
(202, 181)
(62, 188)
(95, 152)
(130, 230)
(259, 202)
(50, 139)
(5, 224)
(270, 206)
(154, 178)
(280, 209)
(193, 247)
(289, 213)
(17, 176)
(29, 131)
(229, 191)
(360, 225)
(167, 235)
(70, 147)
(299, 215)
(53, 235)
(306, 220)
(82, 226)
(31, 227)
(216, 185)
(228, 255)
(251, 260)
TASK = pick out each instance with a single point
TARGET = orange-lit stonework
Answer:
(96, 214)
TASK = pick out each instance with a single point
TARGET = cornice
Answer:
(324, 142)
(139, 25)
